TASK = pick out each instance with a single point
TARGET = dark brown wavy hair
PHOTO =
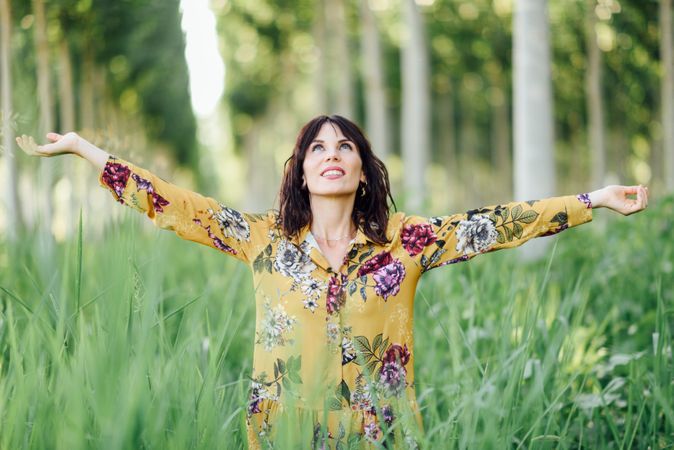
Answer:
(370, 211)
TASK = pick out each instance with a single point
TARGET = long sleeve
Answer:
(444, 240)
(189, 214)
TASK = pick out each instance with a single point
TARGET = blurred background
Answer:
(468, 102)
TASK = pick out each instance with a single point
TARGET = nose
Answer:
(332, 153)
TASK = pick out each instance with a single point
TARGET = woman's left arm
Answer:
(443, 240)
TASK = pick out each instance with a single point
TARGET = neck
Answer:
(332, 216)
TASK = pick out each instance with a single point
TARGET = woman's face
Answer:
(332, 165)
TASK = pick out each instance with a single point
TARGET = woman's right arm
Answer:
(189, 214)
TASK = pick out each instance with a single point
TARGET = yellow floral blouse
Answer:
(335, 348)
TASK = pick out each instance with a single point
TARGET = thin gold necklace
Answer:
(333, 240)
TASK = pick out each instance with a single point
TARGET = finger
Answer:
(23, 144)
(53, 136)
(29, 145)
(641, 198)
(630, 190)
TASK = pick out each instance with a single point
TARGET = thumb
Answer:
(53, 136)
(628, 190)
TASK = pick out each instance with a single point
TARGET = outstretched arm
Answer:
(616, 198)
(189, 214)
(443, 240)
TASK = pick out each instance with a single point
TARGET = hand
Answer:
(615, 198)
(61, 144)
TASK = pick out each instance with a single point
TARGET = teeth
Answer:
(333, 172)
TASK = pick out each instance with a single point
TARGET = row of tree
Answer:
(114, 71)
(583, 88)
(435, 82)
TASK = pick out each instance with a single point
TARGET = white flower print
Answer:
(275, 326)
(292, 261)
(476, 235)
(310, 303)
(231, 223)
(312, 290)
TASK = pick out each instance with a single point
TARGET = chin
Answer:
(333, 192)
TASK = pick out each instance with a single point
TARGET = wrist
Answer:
(596, 198)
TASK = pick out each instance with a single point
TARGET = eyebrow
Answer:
(340, 141)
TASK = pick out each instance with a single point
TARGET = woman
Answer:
(335, 276)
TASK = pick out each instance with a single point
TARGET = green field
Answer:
(141, 340)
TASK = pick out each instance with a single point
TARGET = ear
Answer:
(362, 177)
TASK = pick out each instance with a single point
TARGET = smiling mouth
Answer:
(332, 173)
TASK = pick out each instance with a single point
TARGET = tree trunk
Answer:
(376, 122)
(68, 207)
(66, 94)
(87, 122)
(534, 169)
(46, 119)
(447, 144)
(500, 138)
(415, 106)
(13, 208)
(595, 108)
(667, 90)
(319, 78)
(341, 69)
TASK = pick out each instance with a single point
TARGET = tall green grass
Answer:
(141, 340)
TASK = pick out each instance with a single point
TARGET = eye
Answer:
(317, 147)
(348, 146)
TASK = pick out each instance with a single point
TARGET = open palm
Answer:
(60, 144)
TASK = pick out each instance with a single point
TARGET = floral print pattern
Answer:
(115, 176)
(292, 261)
(388, 279)
(336, 294)
(415, 237)
(217, 242)
(340, 334)
(476, 235)
(231, 223)
(144, 185)
(275, 327)
(375, 263)
(585, 198)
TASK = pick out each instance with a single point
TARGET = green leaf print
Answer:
(371, 366)
(281, 365)
(528, 216)
(362, 345)
(516, 212)
(517, 230)
(383, 348)
(345, 392)
(258, 264)
(364, 352)
(560, 218)
(508, 233)
(376, 342)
